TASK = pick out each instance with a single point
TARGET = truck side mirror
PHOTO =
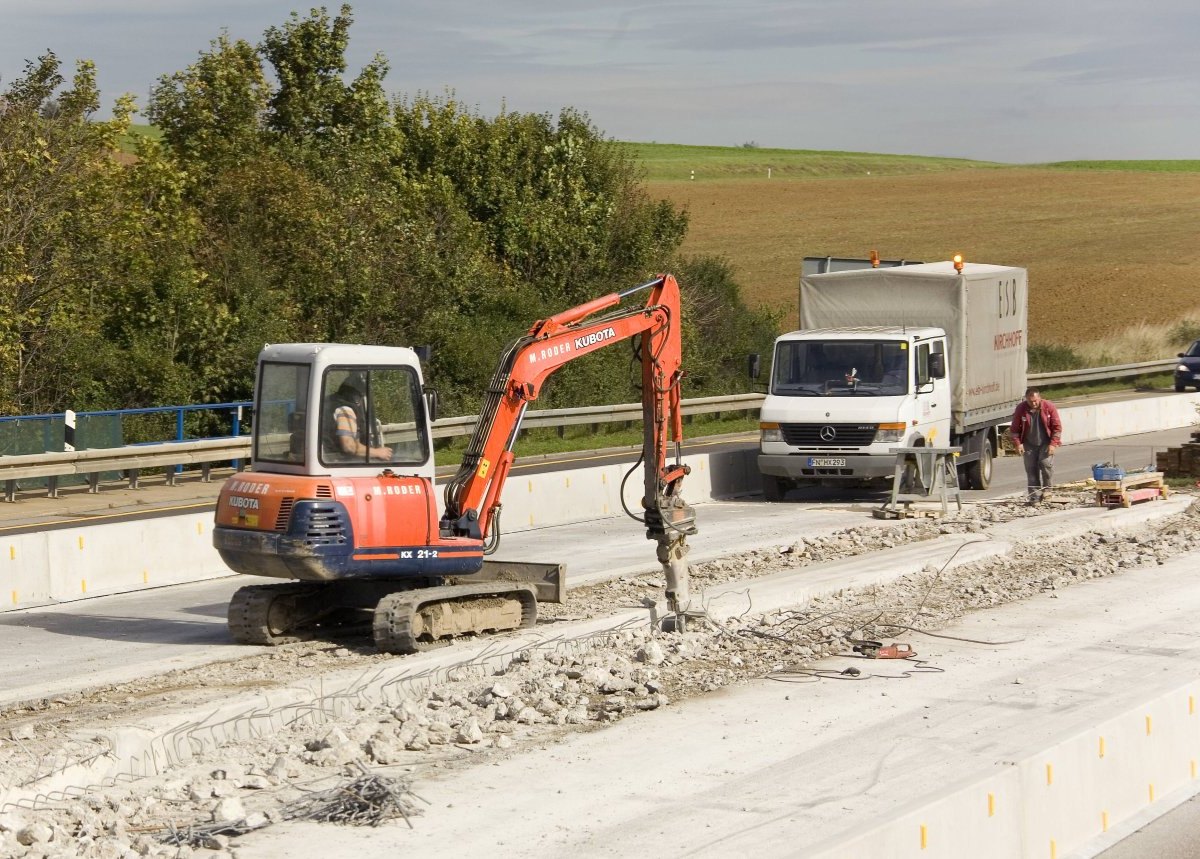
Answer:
(754, 366)
(937, 365)
(431, 404)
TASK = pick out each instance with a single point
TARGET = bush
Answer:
(1184, 332)
(1053, 358)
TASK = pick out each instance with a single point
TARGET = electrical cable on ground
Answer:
(800, 674)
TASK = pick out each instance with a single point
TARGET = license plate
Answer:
(826, 462)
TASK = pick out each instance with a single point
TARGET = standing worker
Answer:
(1036, 431)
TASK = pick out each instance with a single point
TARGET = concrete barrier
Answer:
(75, 563)
(1128, 417)
(1058, 800)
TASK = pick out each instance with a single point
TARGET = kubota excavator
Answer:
(340, 495)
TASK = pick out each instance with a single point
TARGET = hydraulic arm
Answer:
(473, 496)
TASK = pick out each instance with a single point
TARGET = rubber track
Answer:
(395, 613)
(250, 609)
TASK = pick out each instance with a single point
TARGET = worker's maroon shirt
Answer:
(1022, 419)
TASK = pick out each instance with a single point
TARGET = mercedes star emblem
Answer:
(828, 433)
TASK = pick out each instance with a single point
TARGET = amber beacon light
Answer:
(958, 263)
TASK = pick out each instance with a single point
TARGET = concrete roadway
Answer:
(107, 639)
(809, 767)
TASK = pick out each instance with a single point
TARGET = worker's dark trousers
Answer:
(1039, 467)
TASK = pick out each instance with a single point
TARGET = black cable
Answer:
(808, 675)
(920, 631)
(624, 506)
(493, 541)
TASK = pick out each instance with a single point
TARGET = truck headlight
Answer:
(770, 432)
(890, 432)
(1183, 368)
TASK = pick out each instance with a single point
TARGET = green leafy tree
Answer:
(58, 184)
(211, 112)
(291, 201)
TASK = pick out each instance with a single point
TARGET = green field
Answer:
(1181, 166)
(671, 162)
(665, 162)
(128, 142)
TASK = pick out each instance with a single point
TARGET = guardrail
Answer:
(130, 459)
(1117, 371)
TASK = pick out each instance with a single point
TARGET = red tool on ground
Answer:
(877, 650)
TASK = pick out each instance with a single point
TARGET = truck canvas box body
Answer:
(914, 355)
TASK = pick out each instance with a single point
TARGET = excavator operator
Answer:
(349, 434)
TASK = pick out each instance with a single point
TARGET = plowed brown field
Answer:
(1104, 249)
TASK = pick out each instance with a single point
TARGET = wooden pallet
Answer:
(1131, 488)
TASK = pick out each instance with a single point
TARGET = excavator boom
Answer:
(473, 495)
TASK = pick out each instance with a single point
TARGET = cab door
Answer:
(933, 392)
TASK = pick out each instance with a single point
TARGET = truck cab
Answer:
(840, 399)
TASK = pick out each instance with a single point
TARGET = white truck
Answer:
(925, 355)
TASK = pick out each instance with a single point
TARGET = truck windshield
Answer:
(840, 368)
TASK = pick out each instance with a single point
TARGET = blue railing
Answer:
(49, 430)
(31, 434)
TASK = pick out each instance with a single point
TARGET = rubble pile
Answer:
(371, 755)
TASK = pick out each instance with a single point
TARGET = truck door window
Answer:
(399, 408)
(922, 364)
(385, 408)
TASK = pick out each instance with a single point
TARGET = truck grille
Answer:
(828, 435)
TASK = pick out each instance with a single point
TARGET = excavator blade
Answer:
(549, 581)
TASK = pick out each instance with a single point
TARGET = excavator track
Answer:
(426, 619)
(274, 614)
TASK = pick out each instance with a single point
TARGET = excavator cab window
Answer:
(279, 427)
(373, 416)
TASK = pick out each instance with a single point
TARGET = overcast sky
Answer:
(1016, 81)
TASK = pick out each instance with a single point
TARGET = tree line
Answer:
(288, 201)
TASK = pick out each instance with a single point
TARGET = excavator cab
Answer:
(337, 409)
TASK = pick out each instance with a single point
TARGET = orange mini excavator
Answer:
(340, 496)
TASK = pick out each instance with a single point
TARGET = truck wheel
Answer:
(1179, 389)
(979, 472)
(774, 488)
